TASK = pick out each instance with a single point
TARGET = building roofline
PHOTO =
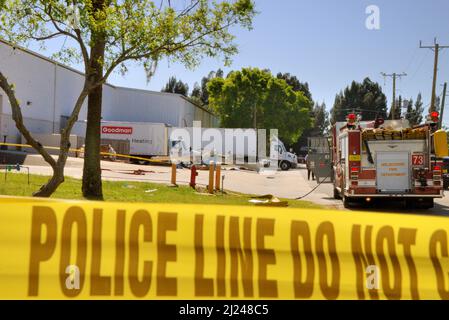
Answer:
(147, 91)
(196, 104)
(167, 94)
(40, 56)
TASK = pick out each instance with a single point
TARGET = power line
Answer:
(420, 65)
(411, 60)
(394, 76)
(436, 48)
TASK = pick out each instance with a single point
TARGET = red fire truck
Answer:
(386, 159)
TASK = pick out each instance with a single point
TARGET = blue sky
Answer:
(326, 43)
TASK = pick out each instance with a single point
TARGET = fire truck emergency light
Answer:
(351, 117)
(434, 116)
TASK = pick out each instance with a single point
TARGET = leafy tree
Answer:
(409, 113)
(320, 126)
(106, 35)
(200, 93)
(296, 85)
(176, 86)
(365, 98)
(253, 98)
(415, 111)
(218, 74)
(419, 109)
(321, 119)
(196, 93)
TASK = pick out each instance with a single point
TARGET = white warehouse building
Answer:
(47, 91)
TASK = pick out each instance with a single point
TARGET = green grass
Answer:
(125, 191)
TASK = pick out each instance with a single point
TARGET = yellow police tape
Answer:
(92, 250)
(80, 150)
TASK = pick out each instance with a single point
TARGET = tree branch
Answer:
(188, 9)
(51, 36)
(83, 49)
(18, 119)
(73, 118)
(57, 27)
(177, 46)
(77, 37)
(126, 55)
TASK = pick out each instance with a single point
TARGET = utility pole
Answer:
(436, 48)
(440, 122)
(255, 117)
(394, 76)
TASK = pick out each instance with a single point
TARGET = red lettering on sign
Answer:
(116, 130)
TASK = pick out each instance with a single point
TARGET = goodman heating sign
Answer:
(116, 130)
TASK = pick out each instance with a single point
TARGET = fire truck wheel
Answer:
(284, 166)
(410, 204)
(346, 202)
(336, 194)
(427, 203)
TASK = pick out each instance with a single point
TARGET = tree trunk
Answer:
(92, 186)
(58, 169)
(50, 187)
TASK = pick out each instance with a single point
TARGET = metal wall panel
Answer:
(48, 92)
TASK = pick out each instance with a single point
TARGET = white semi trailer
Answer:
(196, 144)
(237, 146)
(145, 139)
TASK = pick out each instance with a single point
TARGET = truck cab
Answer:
(286, 159)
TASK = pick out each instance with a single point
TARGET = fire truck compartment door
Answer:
(392, 171)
